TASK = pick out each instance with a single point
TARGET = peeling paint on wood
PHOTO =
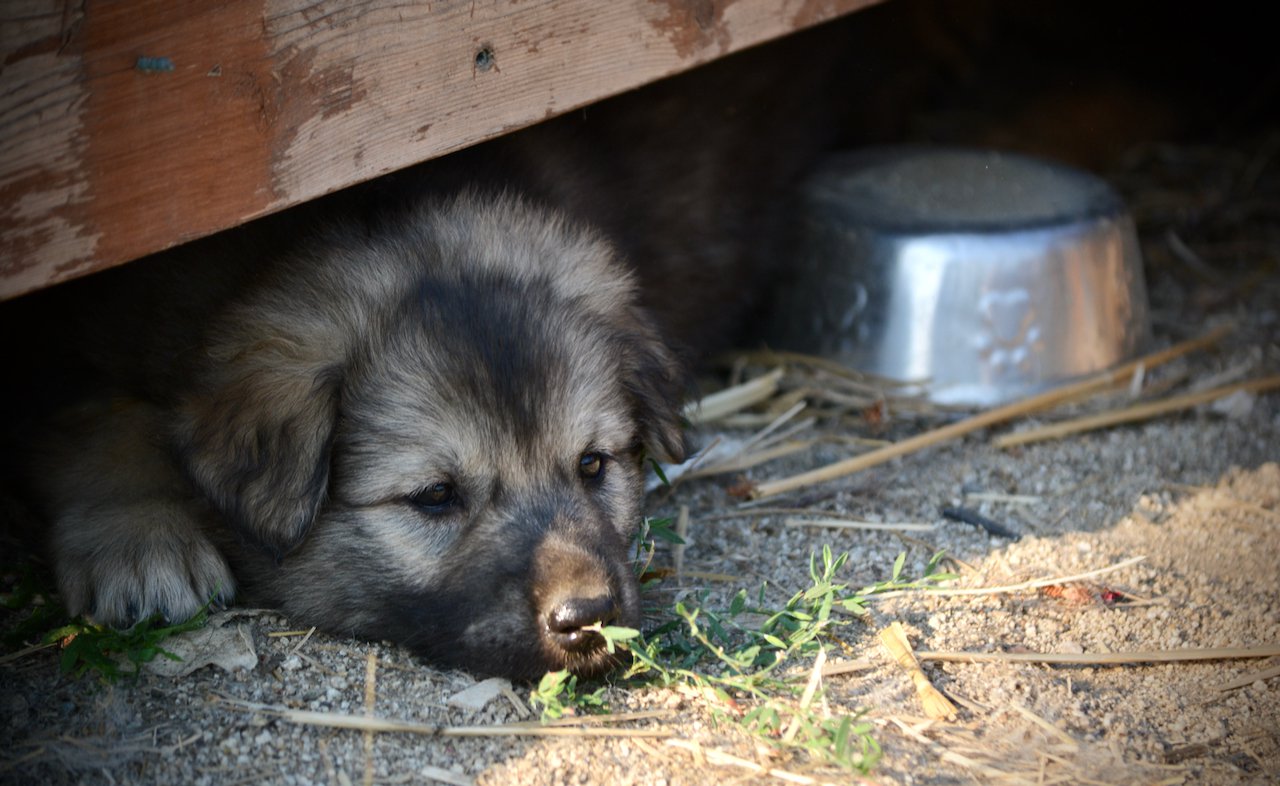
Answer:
(262, 104)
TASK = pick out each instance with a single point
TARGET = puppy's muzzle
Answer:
(568, 622)
(574, 593)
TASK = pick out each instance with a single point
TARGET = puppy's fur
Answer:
(422, 416)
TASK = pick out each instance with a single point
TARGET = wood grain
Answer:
(262, 104)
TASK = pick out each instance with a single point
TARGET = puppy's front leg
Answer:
(128, 533)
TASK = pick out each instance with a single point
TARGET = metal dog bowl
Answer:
(985, 276)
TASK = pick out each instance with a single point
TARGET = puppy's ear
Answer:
(658, 381)
(256, 439)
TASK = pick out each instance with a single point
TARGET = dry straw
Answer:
(1135, 413)
(991, 417)
(936, 706)
(336, 720)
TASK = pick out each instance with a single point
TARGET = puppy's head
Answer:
(439, 432)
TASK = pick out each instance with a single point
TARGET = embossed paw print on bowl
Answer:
(984, 276)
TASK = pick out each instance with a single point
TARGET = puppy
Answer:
(418, 412)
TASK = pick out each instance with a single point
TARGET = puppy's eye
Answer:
(591, 465)
(435, 498)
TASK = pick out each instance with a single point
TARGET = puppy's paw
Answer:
(124, 564)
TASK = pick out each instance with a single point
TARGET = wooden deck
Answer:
(127, 128)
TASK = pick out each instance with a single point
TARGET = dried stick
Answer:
(870, 383)
(1008, 588)
(740, 462)
(335, 720)
(25, 651)
(1249, 679)
(806, 698)
(730, 400)
(1134, 413)
(887, 526)
(989, 418)
(370, 703)
(1105, 658)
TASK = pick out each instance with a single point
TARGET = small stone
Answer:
(478, 696)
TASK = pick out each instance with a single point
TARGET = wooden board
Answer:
(129, 127)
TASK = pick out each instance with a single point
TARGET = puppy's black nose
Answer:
(567, 621)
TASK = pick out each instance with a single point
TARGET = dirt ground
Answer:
(1196, 496)
(1187, 505)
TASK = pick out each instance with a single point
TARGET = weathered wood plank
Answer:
(126, 128)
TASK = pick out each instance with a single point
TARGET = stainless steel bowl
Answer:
(986, 276)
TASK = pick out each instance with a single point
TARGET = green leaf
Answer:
(657, 470)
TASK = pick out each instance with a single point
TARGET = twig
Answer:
(1192, 750)
(888, 526)
(1248, 679)
(615, 717)
(25, 651)
(730, 400)
(991, 417)
(806, 698)
(1048, 727)
(317, 665)
(1007, 588)
(334, 720)
(302, 643)
(740, 462)
(868, 383)
(1011, 499)
(1104, 658)
(1134, 413)
(370, 703)
(777, 423)
(846, 667)
(21, 760)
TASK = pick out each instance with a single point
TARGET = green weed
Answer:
(646, 540)
(87, 648)
(736, 657)
(557, 695)
(112, 654)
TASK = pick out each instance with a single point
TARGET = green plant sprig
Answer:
(729, 656)
(87, 648)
